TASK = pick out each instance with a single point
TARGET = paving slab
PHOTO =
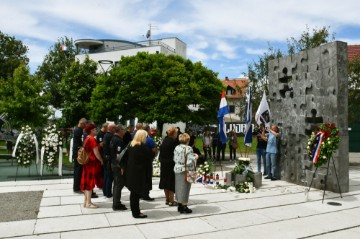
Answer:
(70, 223)
(59, 211)
(125, 232)
(17, 228)
(276, 210)
(170, 229)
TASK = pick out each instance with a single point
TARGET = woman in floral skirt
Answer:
(91, 171)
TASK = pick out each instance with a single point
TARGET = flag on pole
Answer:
(248, 129)
(223, 110)
(263, 113)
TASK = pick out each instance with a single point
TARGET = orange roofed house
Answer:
(235, 91)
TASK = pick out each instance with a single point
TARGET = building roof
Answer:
(239, 86)
(353, 52)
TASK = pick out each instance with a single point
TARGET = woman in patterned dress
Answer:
(91, 171)
(183, 153)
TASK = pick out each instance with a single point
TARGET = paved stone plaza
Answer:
(277, 210)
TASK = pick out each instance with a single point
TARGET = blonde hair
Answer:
(140, 137)
(171, 131)
(184, 138)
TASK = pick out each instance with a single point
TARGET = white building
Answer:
(110, 51)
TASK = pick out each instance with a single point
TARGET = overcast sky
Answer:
(225, 35)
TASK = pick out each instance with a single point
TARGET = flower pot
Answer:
(257, 180)
(240, 178)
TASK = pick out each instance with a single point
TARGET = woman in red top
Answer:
(91, 171)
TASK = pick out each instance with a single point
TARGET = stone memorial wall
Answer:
(305, 90)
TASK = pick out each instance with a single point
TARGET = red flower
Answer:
(327, 125)
(327, 133)
(332, 126)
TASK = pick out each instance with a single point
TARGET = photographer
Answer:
(260, 147)
(271, 151)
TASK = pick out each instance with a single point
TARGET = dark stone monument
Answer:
(305, 90)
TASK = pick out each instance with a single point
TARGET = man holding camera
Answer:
(271, 150)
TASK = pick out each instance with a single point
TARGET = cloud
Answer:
(255, 51)
(213, 30)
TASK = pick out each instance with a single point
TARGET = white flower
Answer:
(324, 157)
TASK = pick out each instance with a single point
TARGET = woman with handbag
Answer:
(185, 166)
(91, 171)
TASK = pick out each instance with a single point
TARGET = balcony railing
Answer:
(142, 44)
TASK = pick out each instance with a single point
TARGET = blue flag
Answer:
(223, 110)
(248, 129)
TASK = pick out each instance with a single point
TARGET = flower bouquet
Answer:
(323, 143)
(205, 170)
(25, 150)
(246, 187)
(51, 144)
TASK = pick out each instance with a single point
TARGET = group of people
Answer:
(212, 144)
(267, 150)
(120, 157)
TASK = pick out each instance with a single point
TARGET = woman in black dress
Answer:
(137, 171)
(167, 175)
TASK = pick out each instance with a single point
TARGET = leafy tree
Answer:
(12, 55)
(354, 91)
(258, 71)
(156, 87)
(258, 75)
(309, 40)
(54, 66)
(77, 85)
(23, 99)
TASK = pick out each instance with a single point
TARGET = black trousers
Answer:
(119, 183)
(77, 173)
(135, 203)
(220, 148)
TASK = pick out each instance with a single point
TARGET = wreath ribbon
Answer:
(317, 148)
(35, 142)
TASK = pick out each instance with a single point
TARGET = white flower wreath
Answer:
(25, 147)
(51, 147)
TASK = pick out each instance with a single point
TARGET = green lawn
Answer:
(199, 145)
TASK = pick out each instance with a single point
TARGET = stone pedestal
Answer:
(240, 178)
(257, 180)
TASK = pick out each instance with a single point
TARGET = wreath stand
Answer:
(17, 169)
(327, 173)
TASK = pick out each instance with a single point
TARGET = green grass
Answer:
(199, 145)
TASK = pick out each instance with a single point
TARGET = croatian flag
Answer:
(317, 148)
(263, 113)
(223, 110)
(64, 47)
(248, 129)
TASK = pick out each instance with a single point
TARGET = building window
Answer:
(231, 108)
(230, 91)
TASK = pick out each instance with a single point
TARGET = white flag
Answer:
(263, 113)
